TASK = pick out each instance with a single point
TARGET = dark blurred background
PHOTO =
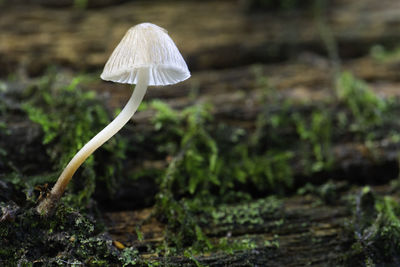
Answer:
(81, 34)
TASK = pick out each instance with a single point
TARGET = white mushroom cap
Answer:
(146, 46)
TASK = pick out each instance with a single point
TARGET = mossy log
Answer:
(296, 231)
(304, 81)
(313, 228)
(208, 33)
(236, 94)
(317, 226)
(332, 225)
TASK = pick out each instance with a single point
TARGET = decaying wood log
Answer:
(237, 97)
(237, 93)
(210, 34)
(307, 234)
(294, 231)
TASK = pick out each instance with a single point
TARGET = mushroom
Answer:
(145, 56)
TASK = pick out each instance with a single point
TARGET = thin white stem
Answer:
(103, 136)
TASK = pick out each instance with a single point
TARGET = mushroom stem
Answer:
(47, 205)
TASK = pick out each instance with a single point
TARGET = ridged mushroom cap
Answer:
(146, 46)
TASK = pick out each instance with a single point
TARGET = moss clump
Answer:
(365, 109)
(250, 215)
(66, 238)
(211, 160)
(376, 230)
(383, 54)
(191, 233)
(316, 139)
(69, 117)
(25, 237)
(329, 192)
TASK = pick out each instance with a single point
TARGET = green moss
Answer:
(270, 171)
(69, 117)
(385, 55)
(213, 165)
(286, 127)
(250, 214)
(376, 230)
(201, 176)
(366, 109)
(208, 170)
(183, 229)
(211, 160)
(329, 192)
(67, 238)
(129, 257)
(29, 237)
(316, 140)
(81, 4)
(196, 168)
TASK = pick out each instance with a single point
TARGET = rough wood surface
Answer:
(308, 234)
(236, 93)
